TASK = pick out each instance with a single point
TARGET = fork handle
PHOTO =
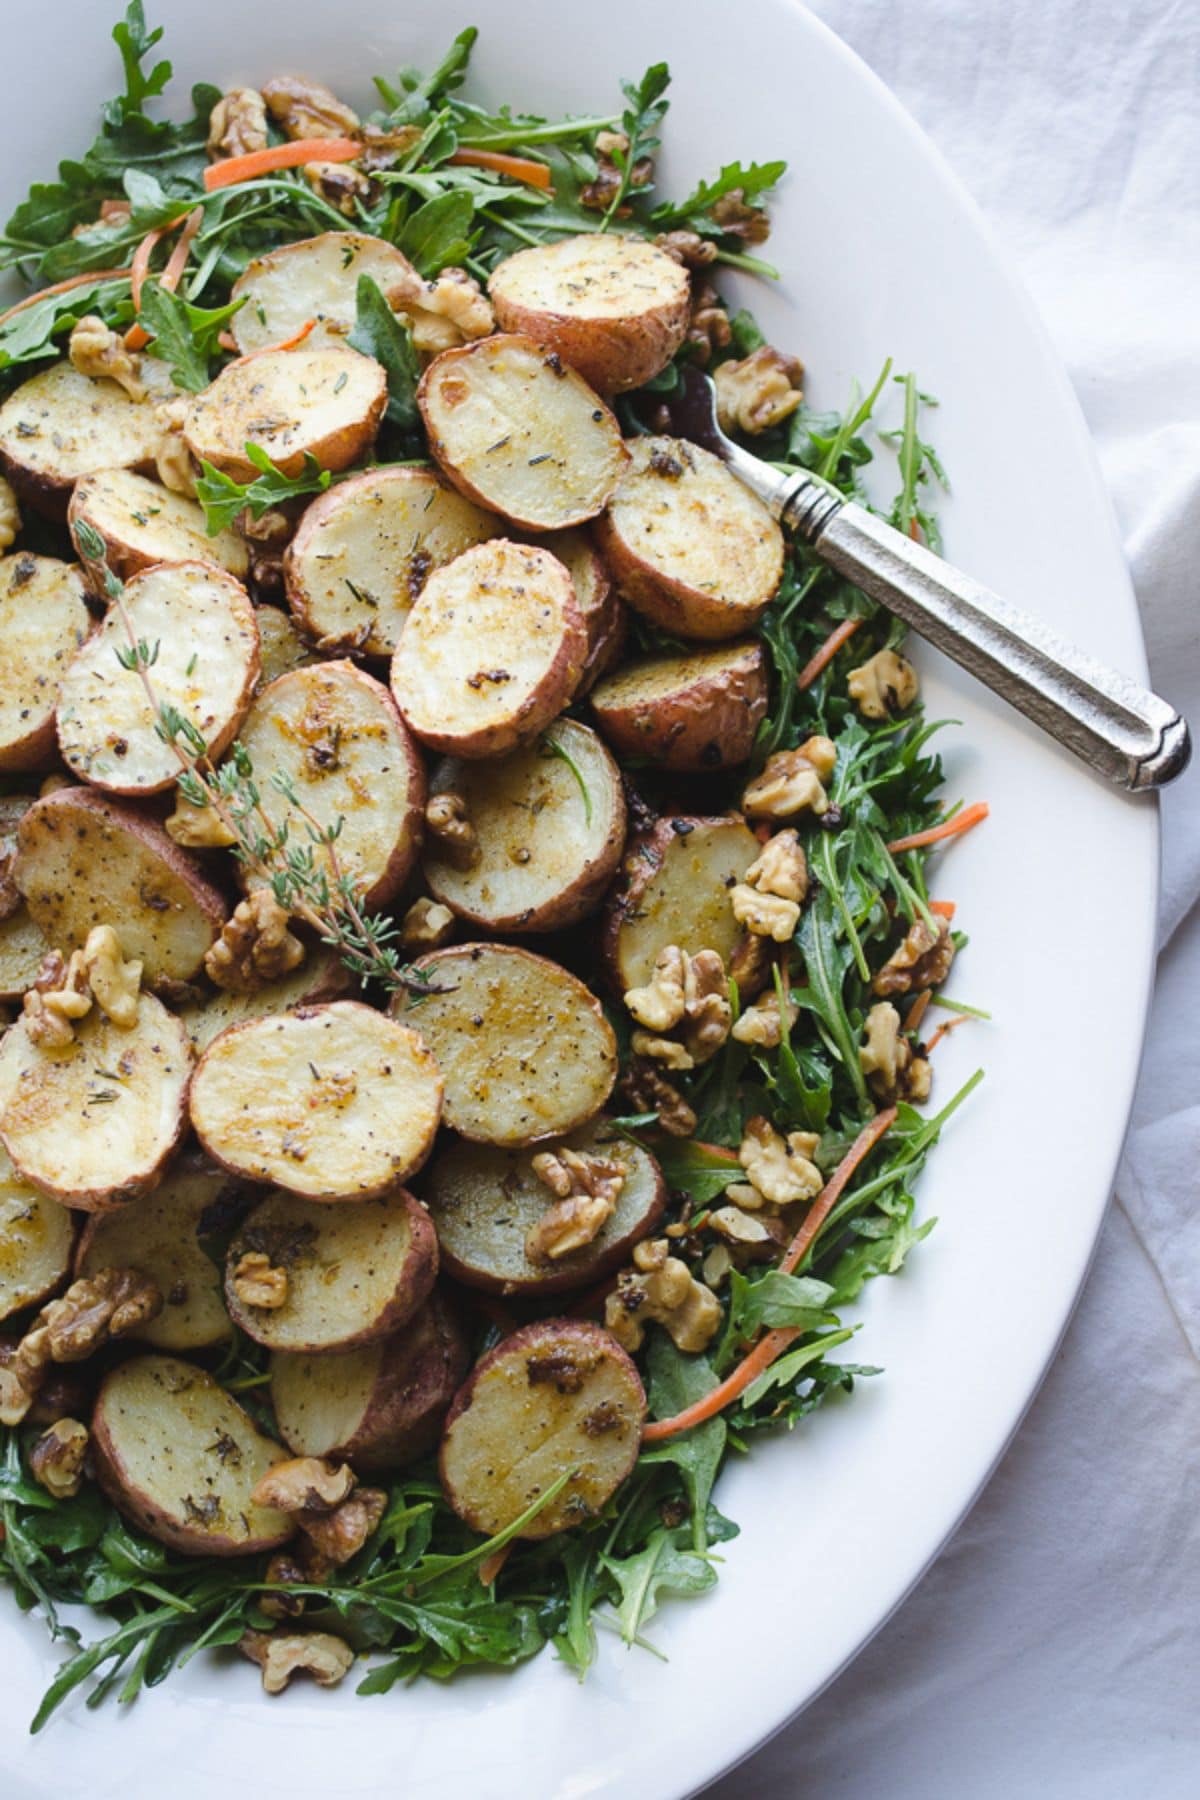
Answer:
(1122, 730)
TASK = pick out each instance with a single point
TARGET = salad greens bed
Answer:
(414, 1593)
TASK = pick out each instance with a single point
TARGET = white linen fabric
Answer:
(1054, 1650)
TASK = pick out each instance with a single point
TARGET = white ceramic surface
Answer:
(881, 253)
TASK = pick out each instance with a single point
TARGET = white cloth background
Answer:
(1054, 1650)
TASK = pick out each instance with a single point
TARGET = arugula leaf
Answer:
(413, 99)
(223, 498)
(437, 235)
(784, 1370)
(32, 333)
(379, 333)
(752, 179)
(676, 1381)
(697, 1170)
(644, 113)
(575, 1641)
(662, 1567)
(182, 335)
(135, 43)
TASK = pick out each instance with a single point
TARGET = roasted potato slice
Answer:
(314, 279)
(43, 621)
(492, 650)
(94, 1124)
(22, 947)
(325, 403)
(83, 860)
(60, 425)
(378, 1407)
(604, 614)
(365, 549)
(333, 1102)
(674, 889)
(524, 1048)
(207, 667)
(691, 713)
(550, 824)
(689, 546)
(519, 432)
(143, 523)
(162, 1235)
(179, 1457)
(280, 646)
(615, 308)
(558, 1395)
(355, 1274)
(321, 976)
(484, 1203)
(334, 732)
(37, 1236)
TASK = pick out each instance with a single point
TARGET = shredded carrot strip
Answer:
(963, 821)
(914, 531)
(491, 1565)
(945, 909)
(289, 343)
(520, 168)
(825, 655)
(774, 1342)
(917, 1011)
(233, 169)
(139, 268)
(63, 287)
(943, 1030)
(136, 338)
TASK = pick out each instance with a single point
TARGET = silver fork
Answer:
(1123, 731)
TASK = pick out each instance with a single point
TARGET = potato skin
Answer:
(60, 425)
(37, 1237)
(44, 623)
(665, 844)
(336, 430)
(101, 499)
(415, 1377)
(559, 1359)
(689, 713)
(615, 308)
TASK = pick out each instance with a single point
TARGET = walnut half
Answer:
(255, 946)
(587, 1188)
(661, 1289)
(56, 1459)
(93, 1310)
(326, 1658)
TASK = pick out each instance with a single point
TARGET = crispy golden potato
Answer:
(37, 1236)
(325, 403)
(605, 617)
(692, 712)
(179, 1457)
(314, 279)
(615, 308)
(143, 523)
(556, 1396)
(281, 647)
(519, 432)
(43, 622)
(60, 425)
(492, 650)
(689, 546)
(674, 889)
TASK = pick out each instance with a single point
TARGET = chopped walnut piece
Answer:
(383, 147)
(664, 1050)
(338, 1535)
(708, 328)
(198, 827)
(60, 996)
(760, 391)
(764, 914)
(267, 537)
(780, 1168)
(317, 1653)
(427, 925)
(100, 353)
(885, 684)
(307, 109)
(598, 195)
(444, 313)
(736, 1226)
(237, 124)
(716, 1265)
(304, 1484)
(687, 991)
(56, 1459)
(922, 961)
(10, 515)
(688, 248)
(340, 183)
(94, 1309)
(780, 868)
(661, 1289)
(587, 1187)
(172, 458)
(707, 1012)
(114, 982)
(647, 1090)
(750, 964)
(257, 1281)
(447, 823)
(285, 1569)
(735, 217)
(792, 781)
(893, 1070)
(660, 1005)
(761, 1026)
(255, 946)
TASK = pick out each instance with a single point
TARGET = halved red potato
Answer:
(280, 646)
(491, 651)
(556, 1396)
(355, 1274)
(23, 944)
(180, 1458)
(615, 308)
(326, 403)
(37, 1236)
(335, 734)
(332, 1102)
(321, 976)
(525, 1049)
(162, 1234)
(691, 712)
(604, 615)
(674, 889)
(317, 279)
(43, 622)
(365, 550)
(550, 824)
(521, 433)
(206, 666)
(95, 1124)
(689, 546)
(143, 523)
(60, 425)
(83, 860)
(378, 1407)
(484, 1203)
